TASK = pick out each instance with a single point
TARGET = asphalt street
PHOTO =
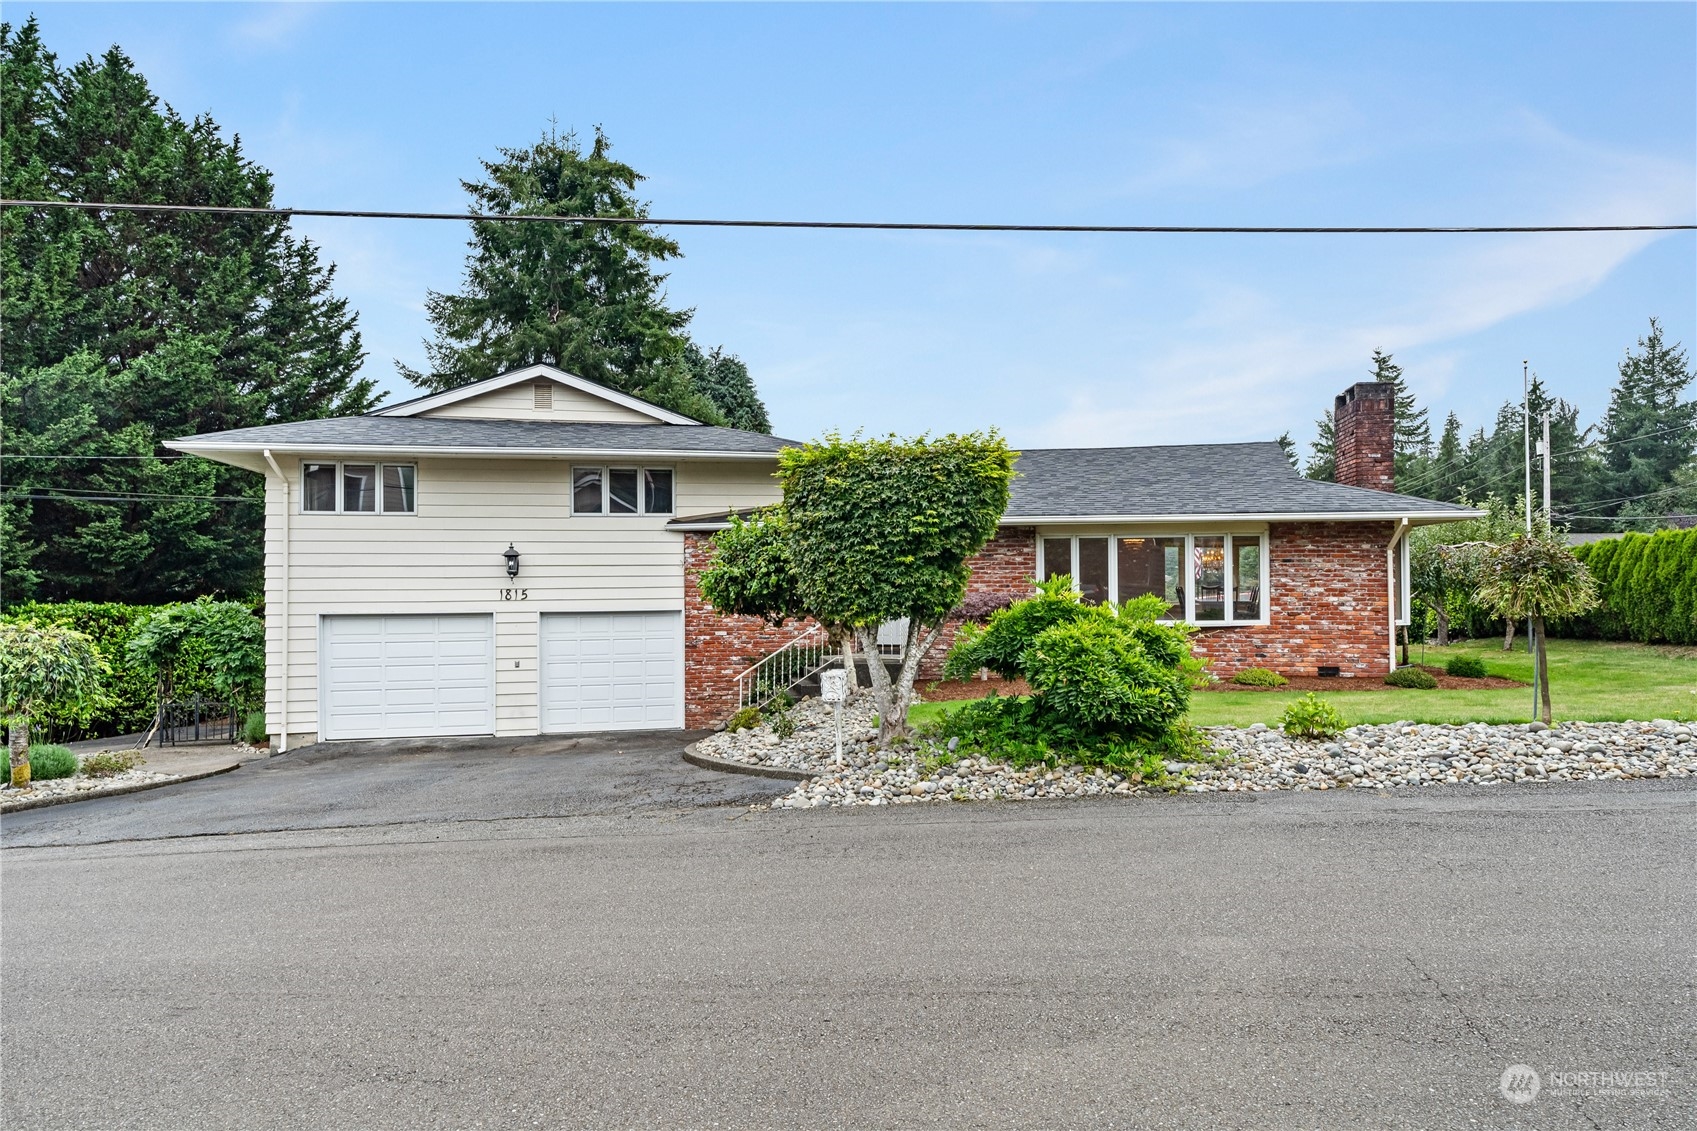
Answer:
(416, 956)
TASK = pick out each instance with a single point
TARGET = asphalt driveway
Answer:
(405, 781)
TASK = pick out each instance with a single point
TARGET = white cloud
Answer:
(272, 26)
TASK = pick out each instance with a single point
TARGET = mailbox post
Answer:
(833, 689)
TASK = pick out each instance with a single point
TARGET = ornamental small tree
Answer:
(869, 532)
(43, 667)
(1535, 575)
(232, 640)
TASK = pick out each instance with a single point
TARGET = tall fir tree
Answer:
(1447, 483)
(723, 379)
(1649, 432)
(1413, 432)
(124, 329)
(585, 297)
(1323, 451)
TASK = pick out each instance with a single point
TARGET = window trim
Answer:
(1189, 536)
(606, 470)
(1404, 595)
(338, 464)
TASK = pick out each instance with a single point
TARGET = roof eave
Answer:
(1414, 516)
(211, 450)
(417, 405)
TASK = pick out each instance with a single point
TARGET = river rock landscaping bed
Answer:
(1247, 759)
(79, 786)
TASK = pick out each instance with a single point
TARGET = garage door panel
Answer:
(407, 676)
(609, 670)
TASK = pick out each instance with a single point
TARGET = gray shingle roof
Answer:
(1189, 479)
(418, 434)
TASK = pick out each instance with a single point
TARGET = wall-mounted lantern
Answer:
(512, 557)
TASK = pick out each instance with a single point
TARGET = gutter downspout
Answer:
(283, 613)
(1392, 583)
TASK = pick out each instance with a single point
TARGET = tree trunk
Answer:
(20, 752)
(879, 674)
(894, 700)
(1443, 626)
(845, 640)
(1403, 632)
(1543, 666)
(1508, 635)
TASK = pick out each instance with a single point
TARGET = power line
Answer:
(852, 225)
(55, 455)
(92, 495)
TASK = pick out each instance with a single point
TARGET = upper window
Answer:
(621, 490)
(1206, 579)
(359, 488)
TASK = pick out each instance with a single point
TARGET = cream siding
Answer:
(518, 402)
(446, 558)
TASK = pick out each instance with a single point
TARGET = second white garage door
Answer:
(611, 671)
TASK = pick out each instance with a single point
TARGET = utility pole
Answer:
(1526, 439)
(1544, 447)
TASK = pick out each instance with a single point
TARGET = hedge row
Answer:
(1648, 586)
(129, 693)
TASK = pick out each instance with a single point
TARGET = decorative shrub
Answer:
(47, 762)
(128, 693)
(110, 763)
(746, 719)
(1466, 667)
(1415, 678)
(1107, 677)
(1648, 587)
(1312, 717)
(1025, 732)
(1101, 677)
(779, 717)
(253, 729)
(1259, 677)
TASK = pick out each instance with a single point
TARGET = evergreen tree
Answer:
(1446, 483)
(1648, 433)
(1323, 451)
(1288, 447)
(584, 297)
(723, 379)
(1413, 432)
(123, 329)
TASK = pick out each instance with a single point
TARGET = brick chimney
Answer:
(1366, 436)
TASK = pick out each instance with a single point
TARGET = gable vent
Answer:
(544, 393)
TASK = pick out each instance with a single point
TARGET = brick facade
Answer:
(1364, 422)
(717, 649)
(1330, 605)
(1007, 565)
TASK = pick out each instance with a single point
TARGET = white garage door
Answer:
(407, 676)
(611, 671)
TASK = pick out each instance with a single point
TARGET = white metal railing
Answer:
(808, 653)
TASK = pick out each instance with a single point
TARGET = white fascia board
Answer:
(396, 451)
(531, 373)
(1417, 518)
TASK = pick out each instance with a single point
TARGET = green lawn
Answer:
(1589, 680)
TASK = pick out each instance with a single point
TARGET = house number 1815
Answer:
(515, 594)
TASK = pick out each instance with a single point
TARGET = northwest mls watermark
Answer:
(1522, 1084)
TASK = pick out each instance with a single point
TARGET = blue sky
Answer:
(1212, 114)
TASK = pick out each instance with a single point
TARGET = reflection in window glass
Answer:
(657, 491)
(1399, 580)
(1153, 565)
(1093, 570)
(586, 490)
(1057, 557)
(1246, 577)
(319, 488)
(621, 490)
(359, 487)
(398, 486)
(1209, 556)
